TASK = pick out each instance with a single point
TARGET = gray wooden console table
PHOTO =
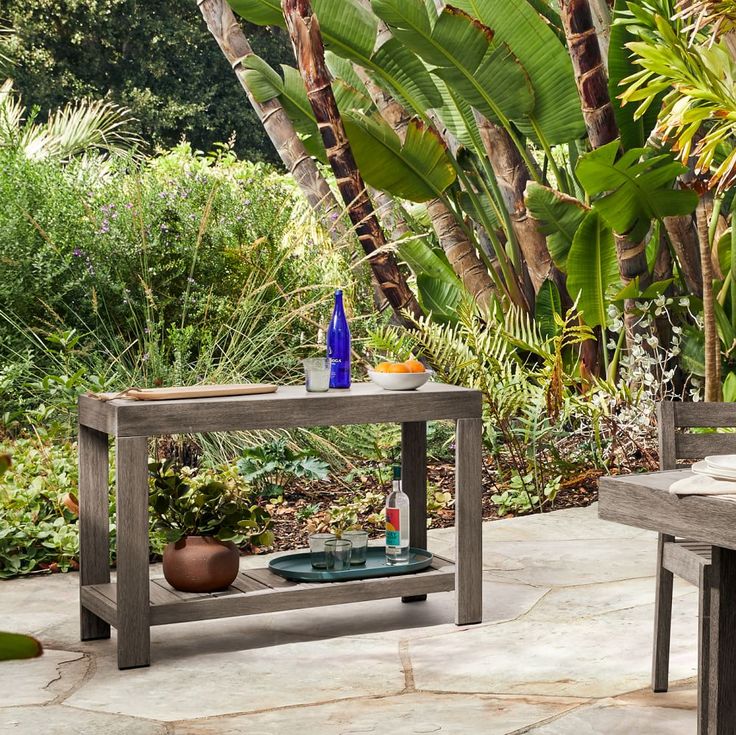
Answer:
(135, 602)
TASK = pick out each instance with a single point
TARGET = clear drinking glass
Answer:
(359, 540)
(337, 554)
(317, 374)
(317, 543)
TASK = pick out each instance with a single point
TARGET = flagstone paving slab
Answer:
(570, 563)
(564, 649)
(183, 684)
(606, 656)
(405, 715)
(60, 720)
(40, 680)
(569, 603)
(611, 719)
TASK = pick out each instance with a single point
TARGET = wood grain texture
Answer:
(697, 446)
(666, 435)
(714, 415)
(722, 673)
(468, 528)
(94, 599)
(686, 558)
(644, 501)
(704, 597)
(662, 619)
(94, 525)
(414, 483)
(96, 414)
(131, 470)
(233, 602)
(291, 406)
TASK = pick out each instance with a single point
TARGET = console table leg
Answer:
(468, 519)
(722, 669)
(414, 483)
(94, 524)
(133, 615)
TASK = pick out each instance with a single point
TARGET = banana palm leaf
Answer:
(419, 170)
(349, 30)
(464, 54)
(424, 259)
(439, 298)
(558, 216)
(592, 268)
(633, 189)
(14, 646)
(547, 305)
(266, 84)
(556, 113)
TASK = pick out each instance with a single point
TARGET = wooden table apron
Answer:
(644, 501)
(128, 604)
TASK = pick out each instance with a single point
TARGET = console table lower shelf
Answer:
(258, 591)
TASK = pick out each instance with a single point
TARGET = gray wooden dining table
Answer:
(644, 501)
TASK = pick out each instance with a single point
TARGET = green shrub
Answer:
(180, 269)
(37, 531)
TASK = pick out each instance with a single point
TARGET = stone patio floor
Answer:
(564, 649)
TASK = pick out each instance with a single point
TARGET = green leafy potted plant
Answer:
(205, 516)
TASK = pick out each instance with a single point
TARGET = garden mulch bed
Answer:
(291, 529)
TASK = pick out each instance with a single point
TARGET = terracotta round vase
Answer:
(200, 564)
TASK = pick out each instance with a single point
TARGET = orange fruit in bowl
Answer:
(414, 366)
(398, 367)
(383, 367)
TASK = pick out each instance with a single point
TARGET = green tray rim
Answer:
(312, 575)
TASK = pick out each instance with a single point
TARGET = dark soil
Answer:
(296, 516)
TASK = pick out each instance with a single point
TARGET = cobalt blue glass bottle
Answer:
(338, 345)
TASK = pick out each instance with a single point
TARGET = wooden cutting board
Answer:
(192, 391)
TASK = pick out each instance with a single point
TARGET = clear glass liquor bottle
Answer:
(397, 523)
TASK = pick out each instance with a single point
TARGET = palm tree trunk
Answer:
(683, 236)
(309, 50)
(592, 82)
(601, 11)
(590, 71)
(460, 252)
(512, 176)
(712, 342)
(234, 45)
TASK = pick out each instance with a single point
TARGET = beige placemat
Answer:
(191, 391)
(695, 484)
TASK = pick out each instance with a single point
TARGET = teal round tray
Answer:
(298, 567)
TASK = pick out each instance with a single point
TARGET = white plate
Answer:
(722, 461)
(703, 468)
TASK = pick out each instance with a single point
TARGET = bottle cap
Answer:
(397, 472)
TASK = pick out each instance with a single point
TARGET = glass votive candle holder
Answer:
(337, 554)
(317, 543)
(317, 374)
(359, 540)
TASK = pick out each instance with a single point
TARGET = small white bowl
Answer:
(400, 381)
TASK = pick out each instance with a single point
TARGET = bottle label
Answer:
(393, 527)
